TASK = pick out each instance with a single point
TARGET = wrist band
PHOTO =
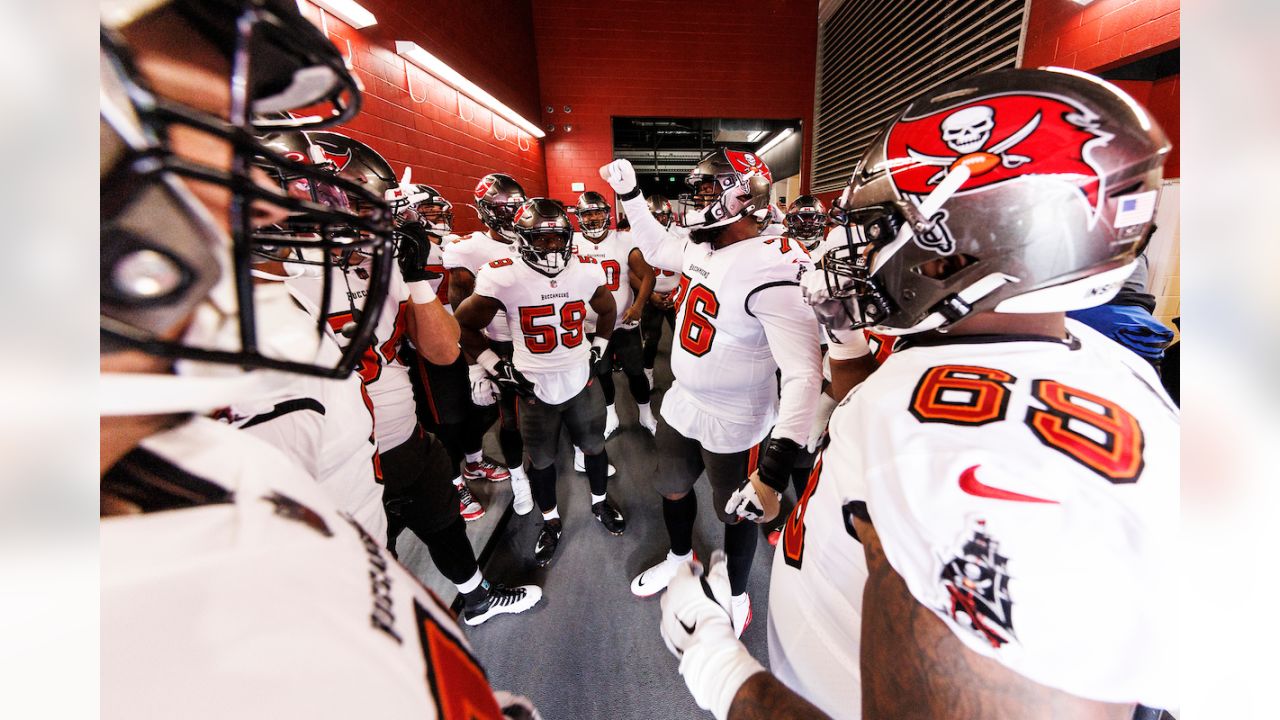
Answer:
(421, 293)
(634, 192)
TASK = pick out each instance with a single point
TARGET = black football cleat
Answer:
(548, 541)
(610, 516)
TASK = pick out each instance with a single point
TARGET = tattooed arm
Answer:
(764, 697)
(914, 667)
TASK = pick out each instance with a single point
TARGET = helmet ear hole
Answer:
(944, 267)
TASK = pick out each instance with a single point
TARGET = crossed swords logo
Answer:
(967, 132)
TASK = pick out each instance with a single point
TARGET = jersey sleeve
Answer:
(490, 281)
(792, 332)
(455, 253)
(659, 247)
(1028, 564)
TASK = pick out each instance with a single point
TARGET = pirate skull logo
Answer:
(968, 130)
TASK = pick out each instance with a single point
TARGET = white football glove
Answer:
(484, 391)
(620, 176)
(698, 629)
(754, 501)
(813, 286)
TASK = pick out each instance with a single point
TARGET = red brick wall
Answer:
(449, 141)
(675, 58)
(1107, 34)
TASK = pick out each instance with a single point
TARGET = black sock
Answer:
(451, 437)
(476, 597)
(606, 385)
(451, 551)
(512, 446)
(597, 472)
(679, 516)
(740, 547)
(639, 385)
(543, 481)
(477, 423)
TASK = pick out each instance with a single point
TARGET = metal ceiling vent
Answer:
(874, 56)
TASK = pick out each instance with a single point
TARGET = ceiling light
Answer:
(415, 54)
(349, 12)
(776, 139)
(1082, 3)
(756, 135)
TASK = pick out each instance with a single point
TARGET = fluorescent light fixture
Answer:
(786, 133)
(1082, 3)
(349, 12)
(415, 54)
(756, 135)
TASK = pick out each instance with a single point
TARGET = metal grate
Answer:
(874, 56)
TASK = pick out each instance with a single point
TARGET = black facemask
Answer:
(707, 236)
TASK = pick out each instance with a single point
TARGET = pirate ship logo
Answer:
(977, 584)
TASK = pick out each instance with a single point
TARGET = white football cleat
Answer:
(523, 494)
(741, 611)
(647, 420)
(610, 421)
(655, 579)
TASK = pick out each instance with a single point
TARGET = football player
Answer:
(546, 294)
(631, 281)
(424, 220)
(660, 306)
(497, 197)
(740, 319)
(999, 501)
(805, 221)
(415, 466)
(231, 585)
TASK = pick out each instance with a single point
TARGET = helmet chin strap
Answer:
(928, 207)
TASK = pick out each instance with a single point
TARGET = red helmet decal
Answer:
(999, 138)
(483, 186)
(748, 164)
(519, 213)
(339, 161)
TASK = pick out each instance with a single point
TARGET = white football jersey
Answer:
(740, 319)
(474, 251)
(326, 427)
(547, 317)
(613, 252)
(1026, 490)
(385, 377)
(245, 593)
(664, 281)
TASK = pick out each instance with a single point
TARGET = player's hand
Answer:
(483, 390)
(506, 375)
(620, 176)
(697, 628)
(658, 299)
(632, 315)
(754, 501)
(601, 363)
(412, 252)
(516, 707)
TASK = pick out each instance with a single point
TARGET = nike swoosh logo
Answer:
(689, 628)
(970, 484)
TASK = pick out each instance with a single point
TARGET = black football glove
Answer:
(413, 249)
(776, 462)
(506, 375)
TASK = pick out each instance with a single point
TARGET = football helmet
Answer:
(1015, 191)
(593, 204)
(363, 166)
(431, 208)
(174, 283)
(498, 197)
(660, 208)
(544, 235)
(725, 186)
(805, 220)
